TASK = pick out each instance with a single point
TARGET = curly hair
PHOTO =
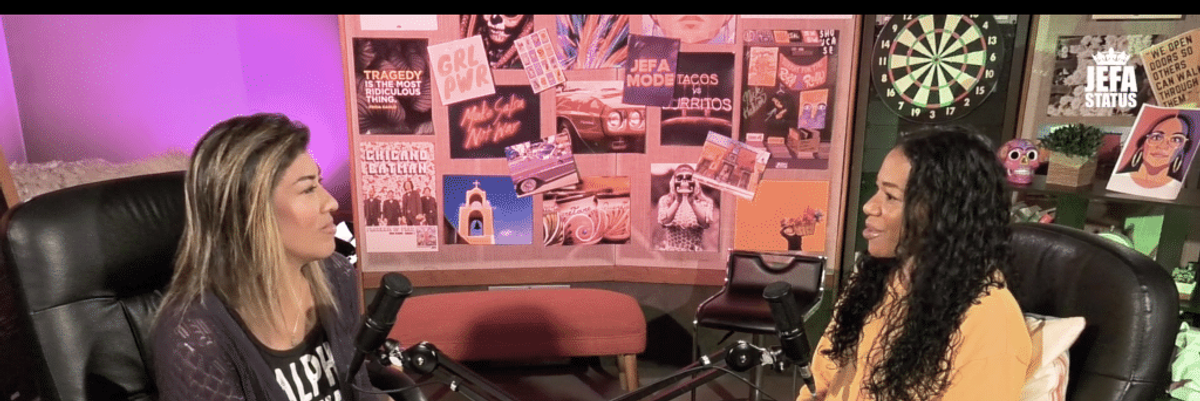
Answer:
(955, 236)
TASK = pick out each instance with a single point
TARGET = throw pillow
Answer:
(1052, 338)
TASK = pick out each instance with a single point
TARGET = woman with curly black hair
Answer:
(927, 314)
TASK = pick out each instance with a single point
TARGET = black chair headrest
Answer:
(90, 265)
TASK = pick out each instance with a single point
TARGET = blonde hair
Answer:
(231, 243)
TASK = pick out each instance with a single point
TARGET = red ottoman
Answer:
(527, 324)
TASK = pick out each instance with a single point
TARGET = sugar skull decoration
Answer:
(1020, 158)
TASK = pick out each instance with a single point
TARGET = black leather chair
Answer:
(1129, 301)
(91, 264)
(740, 307)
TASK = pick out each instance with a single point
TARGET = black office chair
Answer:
(739, 305)
(1129, 301)
(91, 264)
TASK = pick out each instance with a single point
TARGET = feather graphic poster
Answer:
(591, 42)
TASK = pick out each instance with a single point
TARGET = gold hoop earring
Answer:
(1136, 161)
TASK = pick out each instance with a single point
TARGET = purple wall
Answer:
(10, 124)
(122, 88)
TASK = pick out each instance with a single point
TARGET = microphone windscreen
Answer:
(783, 305)
(393, 289)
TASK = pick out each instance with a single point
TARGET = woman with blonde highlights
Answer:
(260, 307)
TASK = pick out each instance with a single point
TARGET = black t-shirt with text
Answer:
(306, 372)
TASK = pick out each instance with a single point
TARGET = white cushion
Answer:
(1052, 338)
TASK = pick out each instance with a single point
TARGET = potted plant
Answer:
(1073, 154)
(1185, 278)
(806, 224)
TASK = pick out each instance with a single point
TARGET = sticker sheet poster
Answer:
(401, 210)
(1099, 75)
(1157, 154)
(684, 214)
(731, 165)
(484, 210)
(650, 71)
(483, 127)
(392, 86)
(537, 167)
(784, 216)
(1174, 70)
(541, 61)
(596, 211)
(461, 70)
(703, 100)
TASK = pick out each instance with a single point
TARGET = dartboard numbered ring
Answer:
(933, 68)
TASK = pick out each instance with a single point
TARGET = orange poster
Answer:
(784, 215)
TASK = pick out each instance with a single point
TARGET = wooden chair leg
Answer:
(621, 373)
(627, 366)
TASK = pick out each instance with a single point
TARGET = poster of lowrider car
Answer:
(537, 167)
(592, 115)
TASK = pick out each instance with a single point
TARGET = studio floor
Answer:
(596, 379)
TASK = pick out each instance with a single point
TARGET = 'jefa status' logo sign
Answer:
(1111, 82)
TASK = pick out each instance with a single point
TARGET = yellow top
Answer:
(991, 363)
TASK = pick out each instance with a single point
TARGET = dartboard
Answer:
(931, 68)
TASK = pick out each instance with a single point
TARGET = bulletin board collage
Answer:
(595, 147)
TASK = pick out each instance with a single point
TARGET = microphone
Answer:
(789, 324)
(379, 318)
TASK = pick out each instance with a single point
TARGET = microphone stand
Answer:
(425, 358)
(644, 391)
(738, 357)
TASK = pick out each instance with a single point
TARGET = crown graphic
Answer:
(1111, 57)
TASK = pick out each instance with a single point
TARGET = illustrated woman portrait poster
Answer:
(1156, 155)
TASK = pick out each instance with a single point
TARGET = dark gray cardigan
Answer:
(206, 355)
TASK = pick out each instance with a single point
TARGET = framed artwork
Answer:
(1063, 84)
